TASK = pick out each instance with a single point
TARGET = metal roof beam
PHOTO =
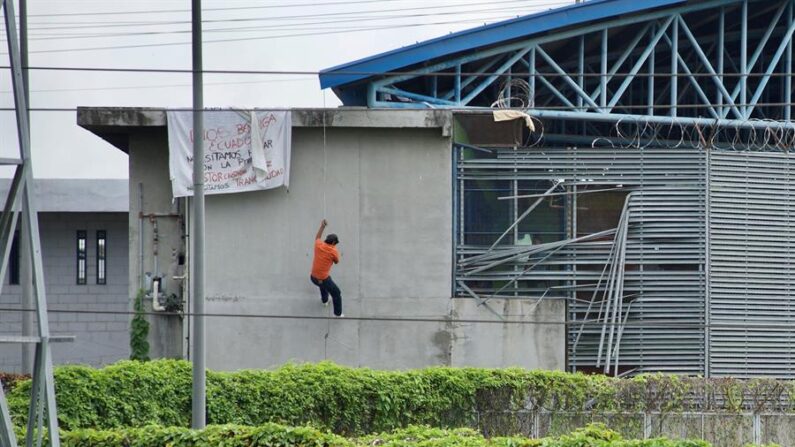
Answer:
(478, 55)
(641, 60)
(577, 92)
(785, 42)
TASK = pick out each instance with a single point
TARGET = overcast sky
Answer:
(305, 35)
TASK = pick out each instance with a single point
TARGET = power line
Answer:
(242, 8)
(616, 75)
(248, 39)
(660, 324)
(293, 26)
(140, 87)
(234, 8)
(358, 14)
(133, 46)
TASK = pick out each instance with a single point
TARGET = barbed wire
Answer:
(456, 109)
(640, 133)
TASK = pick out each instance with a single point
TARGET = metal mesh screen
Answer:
(752, 283)
(622, 235)
(628, 256)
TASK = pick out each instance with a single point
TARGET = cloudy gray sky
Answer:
(298, 35)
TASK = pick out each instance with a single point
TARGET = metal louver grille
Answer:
(752, 281)
(657, 274)
(664, 282)
(638, 288)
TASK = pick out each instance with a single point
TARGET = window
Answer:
(499, 208)
(101, 251)
(13, 262)
(81, 257)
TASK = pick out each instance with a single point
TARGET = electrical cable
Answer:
(237, 8)
(325, 166)
(316, 30)
(354, 14)
(665, 324)
(143, 87)
(295, 26)
(395, 73)
(249, 39)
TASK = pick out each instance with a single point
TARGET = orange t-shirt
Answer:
(325, 255)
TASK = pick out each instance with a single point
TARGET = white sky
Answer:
(259, 34)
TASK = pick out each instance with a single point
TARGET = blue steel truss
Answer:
(707, 62)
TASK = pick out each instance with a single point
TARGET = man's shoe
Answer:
(340, 315)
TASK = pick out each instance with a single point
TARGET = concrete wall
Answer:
(382, 194)
(151, 207)
(100, 338)
(538, 344)
(387, 193)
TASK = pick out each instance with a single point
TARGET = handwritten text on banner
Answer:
(238, 157)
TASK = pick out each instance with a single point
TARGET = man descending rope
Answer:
(326, 254)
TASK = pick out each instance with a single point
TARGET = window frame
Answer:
(102, 257)
(81, 257)
(14, 261)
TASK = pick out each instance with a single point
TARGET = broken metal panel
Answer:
(663, 280)
(658, 274)
(661, 272)
(693, 275)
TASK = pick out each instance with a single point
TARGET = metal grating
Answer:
(663, 281)
(752, 283)
(639, 288)
(622, 281)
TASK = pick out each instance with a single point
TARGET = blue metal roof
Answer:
(483, 36)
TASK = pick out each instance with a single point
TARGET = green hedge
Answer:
(273, 435)
(355, 401)
(344, 400)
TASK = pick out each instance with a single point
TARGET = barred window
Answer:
(101, 257)
(81, 257)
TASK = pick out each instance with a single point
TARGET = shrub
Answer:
(139, 330)
(270, 435)
(273, 435)
(354, 401)
(345, 400)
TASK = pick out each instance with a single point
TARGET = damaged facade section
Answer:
(671, 256)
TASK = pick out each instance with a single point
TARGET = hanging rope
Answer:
(325, 164)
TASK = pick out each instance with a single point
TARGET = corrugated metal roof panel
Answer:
(484, 36)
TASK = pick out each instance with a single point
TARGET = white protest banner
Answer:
(238, 157)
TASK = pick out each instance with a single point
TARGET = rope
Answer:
(325, 164)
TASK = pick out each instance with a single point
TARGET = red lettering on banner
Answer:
(246, 181)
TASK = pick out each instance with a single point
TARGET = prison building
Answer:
(634, 218)
(656, 183)
(83, 231)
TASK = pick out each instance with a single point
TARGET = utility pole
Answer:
(42, 406)
(26, 257)
(199, 390)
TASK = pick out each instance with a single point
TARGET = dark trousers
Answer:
(328, 287)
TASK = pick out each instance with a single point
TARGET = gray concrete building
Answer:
(385, 182)
(639, 222)
(83, 227)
